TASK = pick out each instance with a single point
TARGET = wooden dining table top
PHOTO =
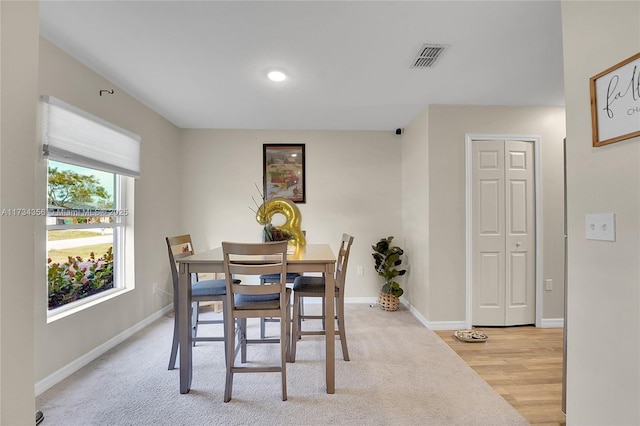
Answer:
(308, 253)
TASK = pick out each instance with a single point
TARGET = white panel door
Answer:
(503, 233)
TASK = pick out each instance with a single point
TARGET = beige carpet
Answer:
(400, 373)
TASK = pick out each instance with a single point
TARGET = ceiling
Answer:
(203, 64)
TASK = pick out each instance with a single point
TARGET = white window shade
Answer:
(77, 137)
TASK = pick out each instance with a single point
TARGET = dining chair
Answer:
(309, 286)
(271, 279)
(256, 301)
(274, 278)
(201, 291)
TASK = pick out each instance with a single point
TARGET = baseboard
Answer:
(368, 300)
(552, 323)
(461, 325)
(78, 363)
(443, 325)
(434, 325)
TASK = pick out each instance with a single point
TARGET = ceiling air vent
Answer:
(428, 55)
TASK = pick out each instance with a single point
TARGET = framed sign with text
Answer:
(615, 102)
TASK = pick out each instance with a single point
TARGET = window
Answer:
(91, 165)
(84, 232)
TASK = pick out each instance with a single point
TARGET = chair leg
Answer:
(225, 321)
(288, 329)
(195, 314)
(341, 328)
(284, 349)
(174, 344)
(263, 322)
(300, 311)
(296, 327)
(243, 340)
(230, 344)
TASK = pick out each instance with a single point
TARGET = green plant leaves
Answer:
(77, 278)
(386, 260)
(393, 288)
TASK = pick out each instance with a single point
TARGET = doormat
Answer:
(470, 336)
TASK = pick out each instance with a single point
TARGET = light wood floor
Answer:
(523, 364)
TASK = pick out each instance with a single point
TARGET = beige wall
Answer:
(62, 342)
(353, 186)
(415, 214)
(19, 41)
(440, 293)
(604, 277)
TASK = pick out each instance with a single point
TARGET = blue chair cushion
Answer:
(276, 277)
(210, 288)
(242, 299)
(258, 301)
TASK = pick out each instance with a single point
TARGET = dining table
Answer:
(309, 258)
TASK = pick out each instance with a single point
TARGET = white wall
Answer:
(603, 298)
(157, 214)
(19, 40)
(439, 293)
(352, 181)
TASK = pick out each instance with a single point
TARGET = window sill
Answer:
(86, 303)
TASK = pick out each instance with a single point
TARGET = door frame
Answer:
(469, 139)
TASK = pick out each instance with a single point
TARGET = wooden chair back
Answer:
(342, 260)
(255, 259)
(178, 247)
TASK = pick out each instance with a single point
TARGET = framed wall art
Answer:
(283, 171)
(615, 102)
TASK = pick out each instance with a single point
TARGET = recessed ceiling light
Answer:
(276, 76)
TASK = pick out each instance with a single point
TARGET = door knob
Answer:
(518, 244)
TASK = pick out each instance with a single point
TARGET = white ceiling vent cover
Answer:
(428, 55)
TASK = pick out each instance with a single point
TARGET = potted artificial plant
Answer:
(387, 260)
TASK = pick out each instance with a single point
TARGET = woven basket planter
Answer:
(389, 302)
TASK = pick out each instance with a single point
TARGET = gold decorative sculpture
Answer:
(290, 211)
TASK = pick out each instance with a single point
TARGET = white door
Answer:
(503, 233)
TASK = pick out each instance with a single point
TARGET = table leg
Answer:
(184, 328)
(330, 328)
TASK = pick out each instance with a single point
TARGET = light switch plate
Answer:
(600, 227)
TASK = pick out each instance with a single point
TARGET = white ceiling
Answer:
(202, 64)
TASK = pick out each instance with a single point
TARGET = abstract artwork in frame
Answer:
(283, 171)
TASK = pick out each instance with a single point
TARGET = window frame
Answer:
(121, 249)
